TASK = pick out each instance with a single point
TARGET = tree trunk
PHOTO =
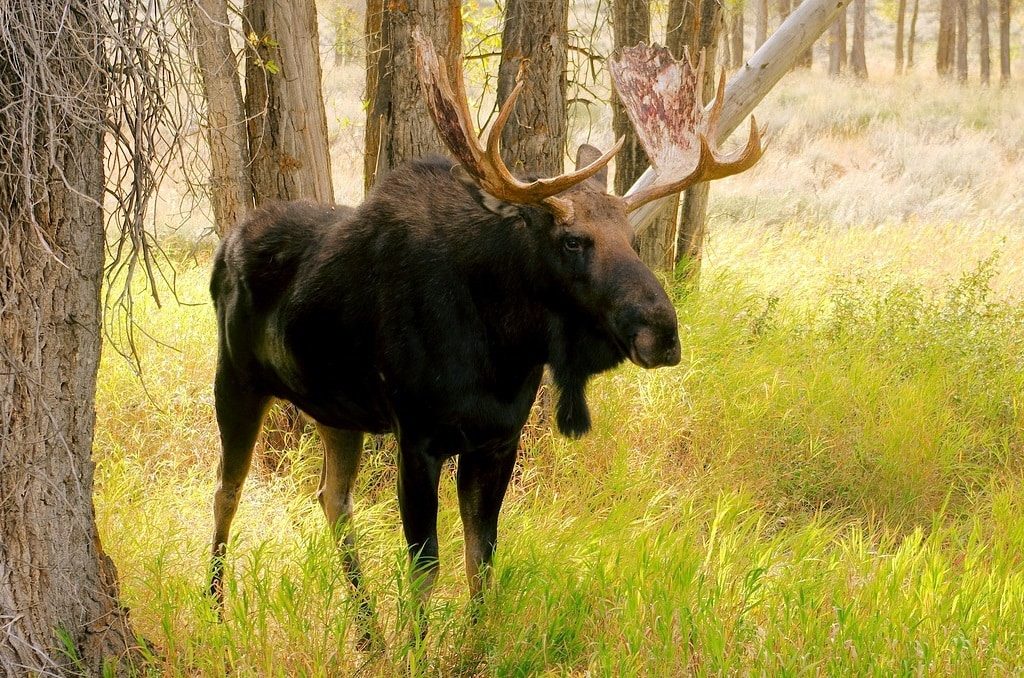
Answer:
(761, 28)
(961, 40)
(984, 56)
(631, 24)
(737, 38)
(946, 36)
(534, 139)
(284, 103)
(901, 13)
(230, 180)
(1004, 41)
(913, 35)
(398, 126)
(858, 58)
(807, 59)
(837, 46)
(689, 244)
(54, 576)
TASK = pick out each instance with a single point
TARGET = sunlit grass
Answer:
(830, 482)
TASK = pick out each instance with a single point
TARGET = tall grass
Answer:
(830, 482)
(823, 485)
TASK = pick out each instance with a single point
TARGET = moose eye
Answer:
(572, 244)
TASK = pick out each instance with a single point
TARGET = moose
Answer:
(431, 310)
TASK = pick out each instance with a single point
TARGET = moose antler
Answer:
(446, 99)
(662, 98)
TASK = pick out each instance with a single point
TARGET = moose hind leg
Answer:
(482, 478)
(342, 452)
(240, 412)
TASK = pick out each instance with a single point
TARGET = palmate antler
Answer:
(662, 98)
(446, 98)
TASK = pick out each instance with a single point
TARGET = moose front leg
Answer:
(418, 475)
(483, 477)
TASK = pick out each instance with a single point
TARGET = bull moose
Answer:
(431, 310)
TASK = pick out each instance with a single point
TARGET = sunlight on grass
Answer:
(830, 482)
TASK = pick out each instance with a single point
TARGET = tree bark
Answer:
(946, 37)
(1004, 41)
(961, 40)
(761, 27)
(858, 58)
(534, 139)
(284, 102)
(984, 56)
(901, 13)
(398, 126)
(837, 46)
(689, 244)
(631, 24)
(913, 34)
(54, 576)
(230, 179)
(737, 38)
(807, 59)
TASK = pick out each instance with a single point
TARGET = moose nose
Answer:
(673, 351)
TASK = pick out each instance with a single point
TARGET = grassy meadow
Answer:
(831, 482)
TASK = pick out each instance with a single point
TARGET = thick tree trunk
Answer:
(901, 13)
(284, 103)
(737, 38)
(631, 24)
(1004, 41)
(230, 180)
(689, 244)
(837, 46)
(761, 28)
(398, 126)
(961, 40)
(984, 56)
(534, 139)
(858, 57)
(913, 34)
(946, 37)
(54, 576)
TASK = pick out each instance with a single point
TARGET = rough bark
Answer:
(961, 40)
(398, 126)
(913, 34)
(1004, 41)
(984, 55)
(837, 46)
(858, 57)
(946, 36)
(54, 575)
(631, 24)
(230, 180)
(689, 244)
(901, 13)
(761, 28)
(284, 102)
(737, 38)
(534, 139)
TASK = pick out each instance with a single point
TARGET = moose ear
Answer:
(587, 154)
(483, 198)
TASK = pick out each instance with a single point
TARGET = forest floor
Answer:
(832, 480)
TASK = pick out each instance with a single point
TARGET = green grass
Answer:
(829, 482)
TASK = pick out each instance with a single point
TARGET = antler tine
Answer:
(446, 99)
